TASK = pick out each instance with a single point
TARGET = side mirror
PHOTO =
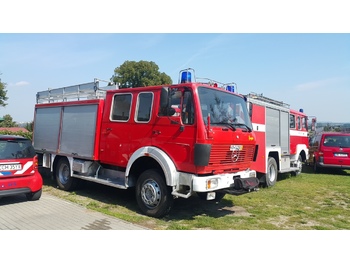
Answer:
(164, 97)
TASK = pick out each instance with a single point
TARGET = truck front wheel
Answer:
(152, 194)
(271, 175)
(63, 177)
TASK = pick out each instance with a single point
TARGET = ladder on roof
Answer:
(74, 93)
(262, 98)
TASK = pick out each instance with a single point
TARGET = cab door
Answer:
(175, 133)
(128, 127)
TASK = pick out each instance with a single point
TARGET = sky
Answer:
(308, 69)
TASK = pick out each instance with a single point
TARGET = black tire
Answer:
(316, 167)
(272, 171)
(300, 164)
(63, 177)
(34, 196)
(218, 196)
(152, 194)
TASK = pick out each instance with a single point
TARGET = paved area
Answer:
(52, 213)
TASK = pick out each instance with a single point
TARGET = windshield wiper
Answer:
(242, 125)
(226, 124)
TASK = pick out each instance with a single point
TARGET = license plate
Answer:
(341, 154)
(10, 167)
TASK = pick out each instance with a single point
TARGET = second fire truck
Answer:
(165, 141)
(282, 136)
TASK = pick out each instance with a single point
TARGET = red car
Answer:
(330, 150)
(19, 168)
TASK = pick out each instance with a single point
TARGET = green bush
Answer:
(28, 135)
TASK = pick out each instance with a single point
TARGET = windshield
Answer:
(224, 108)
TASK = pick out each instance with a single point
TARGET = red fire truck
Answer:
(167, 141)
(282, 136)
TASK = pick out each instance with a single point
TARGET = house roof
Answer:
(14, 129)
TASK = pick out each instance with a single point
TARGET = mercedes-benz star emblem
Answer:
(235, 155)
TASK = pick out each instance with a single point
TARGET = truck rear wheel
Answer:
(271, 175)
(300, 166)
(152, 194)
(63, 177)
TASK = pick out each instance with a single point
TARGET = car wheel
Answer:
(315, 167)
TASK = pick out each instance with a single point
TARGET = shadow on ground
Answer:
(182, 208)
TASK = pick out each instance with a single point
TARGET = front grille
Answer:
(221, 157)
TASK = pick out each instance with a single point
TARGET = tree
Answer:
(8, 122)
(138, 74)
(3, 93)
(29, 126)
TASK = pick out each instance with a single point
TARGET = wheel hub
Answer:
(64, 174)
(150, 194)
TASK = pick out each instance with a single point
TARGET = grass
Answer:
(306, 202)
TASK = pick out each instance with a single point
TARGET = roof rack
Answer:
(74, 93)
(260, 97)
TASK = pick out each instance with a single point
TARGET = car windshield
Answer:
(16, 149)
(224, 108)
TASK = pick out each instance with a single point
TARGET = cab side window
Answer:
(292, 121)
(187, 114)
(144, 107)
(303, 123)
(121, 107)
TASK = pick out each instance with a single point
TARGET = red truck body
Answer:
(167, 141)
(282, 136)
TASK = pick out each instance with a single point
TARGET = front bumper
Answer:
(231, 183)
(223, 181)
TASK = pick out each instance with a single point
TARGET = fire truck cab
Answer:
(166, 141)
(282, 137)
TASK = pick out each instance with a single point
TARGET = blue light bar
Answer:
(230, 89)
(301, 110)
(186, 77)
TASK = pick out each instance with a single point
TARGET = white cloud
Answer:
(19, 84)
(325, 83)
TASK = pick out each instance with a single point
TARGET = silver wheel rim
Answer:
(272, 173)
(151, 194)
(63, 174)
(299, 165)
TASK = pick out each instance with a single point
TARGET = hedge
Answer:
(28, 135)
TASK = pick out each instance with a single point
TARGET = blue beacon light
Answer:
(230, 89)
(186, 77)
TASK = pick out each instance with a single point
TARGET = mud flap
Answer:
(243, 186)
